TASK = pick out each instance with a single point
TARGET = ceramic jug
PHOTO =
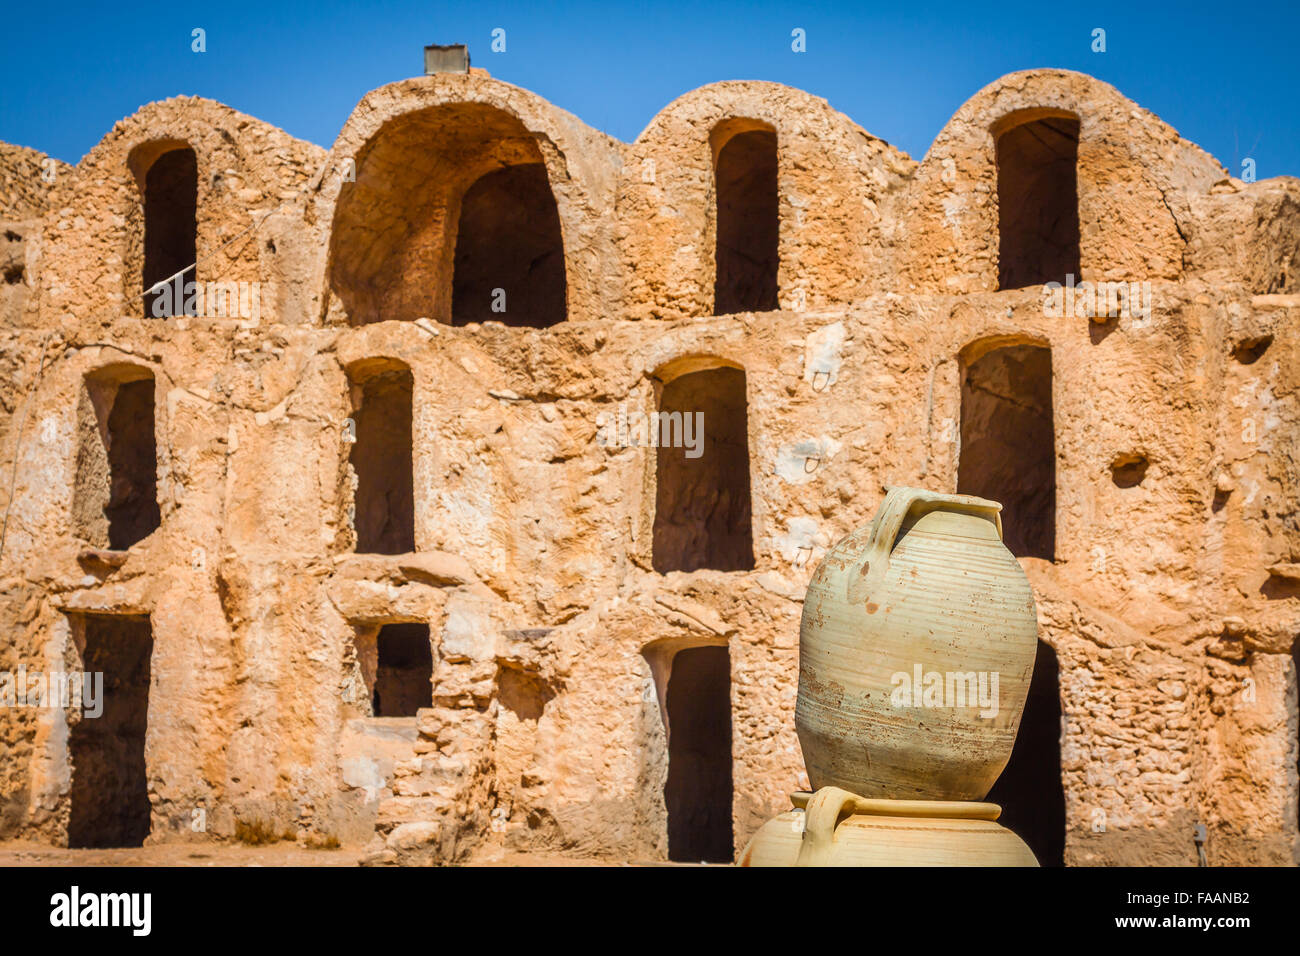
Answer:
(838, 828)
(916, 648)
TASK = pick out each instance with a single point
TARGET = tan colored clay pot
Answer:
(841, 829)
(928, 595)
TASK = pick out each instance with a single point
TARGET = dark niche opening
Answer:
(698, 793)
(1008, 444)
(110, 793)
(1038, 202)
(1248, 351)
(702, 497)
(404, 676)
(748, 224)
(115, 497)
(1030, 790)
(1295, 681)
(1128, 469)
(132, 507)
(383, 459)
(509, 264)
(171, 190)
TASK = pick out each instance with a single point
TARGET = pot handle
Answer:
(820, 819)
(902, 502)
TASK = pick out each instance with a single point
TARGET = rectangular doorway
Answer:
(698, 793)
(404, 671)
(110, 790)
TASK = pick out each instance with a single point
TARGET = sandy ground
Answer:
(178, 854)
(281, 854)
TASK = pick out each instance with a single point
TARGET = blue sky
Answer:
(1225, 75)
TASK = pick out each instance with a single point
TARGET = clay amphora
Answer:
(841, 829)
(915, 652)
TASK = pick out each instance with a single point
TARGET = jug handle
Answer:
(901, 502)
(820, 819)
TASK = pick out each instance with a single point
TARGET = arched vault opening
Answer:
(451, 217)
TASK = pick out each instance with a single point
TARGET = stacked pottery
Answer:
(916, 649)
(833, 827)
